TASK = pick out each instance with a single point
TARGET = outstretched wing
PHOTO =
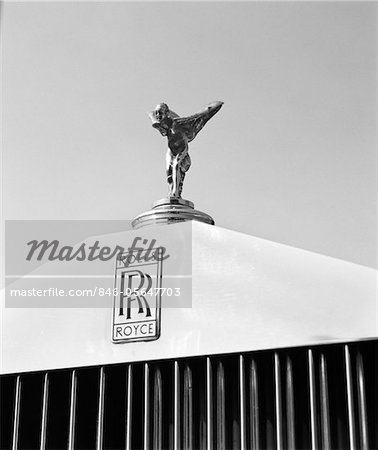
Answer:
(192, 125)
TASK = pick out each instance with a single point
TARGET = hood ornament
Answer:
(180, 131)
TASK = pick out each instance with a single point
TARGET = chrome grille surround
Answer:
(323, 397)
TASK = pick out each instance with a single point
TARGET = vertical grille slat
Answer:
(100, 414)
(349, 389)
(362, 414)
(290, 416)
(313, 409)
(254, 406)
(278, 401)
(147, 421)
(242, 401)
(209, 404)
(72, 423)
(45, 400)
(220, 404)
(188, 409)
(158, 410)
(16, 417)
(369, 354)
(321, 397)
(129, 404)
(324, 404)
(176, 407)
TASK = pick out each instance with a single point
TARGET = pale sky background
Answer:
(290, 157)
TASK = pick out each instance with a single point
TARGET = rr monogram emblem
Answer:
(135, 294)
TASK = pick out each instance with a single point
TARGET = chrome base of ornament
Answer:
(171, 210)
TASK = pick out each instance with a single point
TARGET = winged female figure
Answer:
(180, 131)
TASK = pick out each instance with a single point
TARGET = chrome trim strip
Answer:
(313, 418)
(254, 406)
(351, 422)
(100, 413)
(290, 416)
(16, 416)
(45, 400)
(71, 433)
(324, 404)
(362, 414)
(278, 402)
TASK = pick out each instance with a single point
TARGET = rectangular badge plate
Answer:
(137, 298)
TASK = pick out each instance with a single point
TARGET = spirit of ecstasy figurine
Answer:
(180, 131)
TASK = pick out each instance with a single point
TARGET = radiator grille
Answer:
(323, 397)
